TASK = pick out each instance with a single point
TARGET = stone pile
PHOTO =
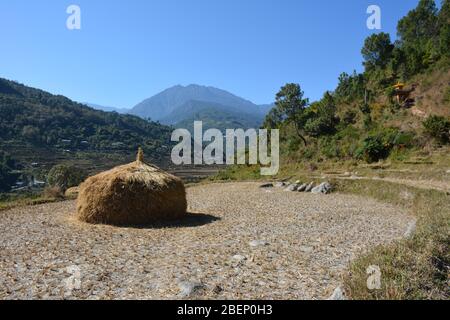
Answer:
(298, 186)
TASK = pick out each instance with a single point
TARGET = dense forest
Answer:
(362, 118)
(37, 124)
(33, 116)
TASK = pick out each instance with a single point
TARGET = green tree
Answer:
(350, 87)
(273, 119)
(291, 106)
(7, 177)
(419, 36)
(420, 24)
(65, 177)
(377, 51)
(324, 119)
(444, 26)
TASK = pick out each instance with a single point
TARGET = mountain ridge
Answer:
(161, 105)
(106, 108)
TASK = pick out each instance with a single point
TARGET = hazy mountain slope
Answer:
(213, 115)
(164, 103)
(106, 108)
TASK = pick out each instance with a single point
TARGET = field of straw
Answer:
(239, 241)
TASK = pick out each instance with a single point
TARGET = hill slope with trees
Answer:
(400, 103)
(41, 129)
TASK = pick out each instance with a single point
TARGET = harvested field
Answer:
(241, 242)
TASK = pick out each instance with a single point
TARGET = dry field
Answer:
(241, 242)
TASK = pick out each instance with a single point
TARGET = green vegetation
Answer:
(40, 130)
(291, 107)
(438, 127)
(64, 177)
(413, 268)
(362, 121)
(362, 118)
(37, 119)
(7, 176)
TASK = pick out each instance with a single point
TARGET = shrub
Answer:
(367, 121)
(404, 139)
(330, 148)
(321, 125)
(374, 149)
(349, 117)
(53, 193)
(65, 177)
(437, 127)
(380, 142)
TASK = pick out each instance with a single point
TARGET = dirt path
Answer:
(421, 184)
(243, 243)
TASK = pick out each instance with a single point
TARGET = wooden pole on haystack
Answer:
(140, 155)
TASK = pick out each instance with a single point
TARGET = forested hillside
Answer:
(34, 117)
(399, 104)
(38, 130)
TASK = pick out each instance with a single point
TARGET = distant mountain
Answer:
(33, 119)
(107, 109)
(213, 115)
(185, 103)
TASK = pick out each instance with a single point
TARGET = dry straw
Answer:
(132, 194)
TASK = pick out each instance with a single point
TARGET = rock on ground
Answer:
(292, 187)
(309, 187)
(258, 243)
(190, 288)
(338, 294)
(324, 188)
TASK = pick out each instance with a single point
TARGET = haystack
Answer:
(132, 194)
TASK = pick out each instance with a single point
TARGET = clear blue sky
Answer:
(130, 50)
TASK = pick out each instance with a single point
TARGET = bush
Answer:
(438, 128)
(321, 125)
(53, 193)
(330, 148)
(349, 117)
(374, 149)
(65, 177)
(382, 141)
(404, 139)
